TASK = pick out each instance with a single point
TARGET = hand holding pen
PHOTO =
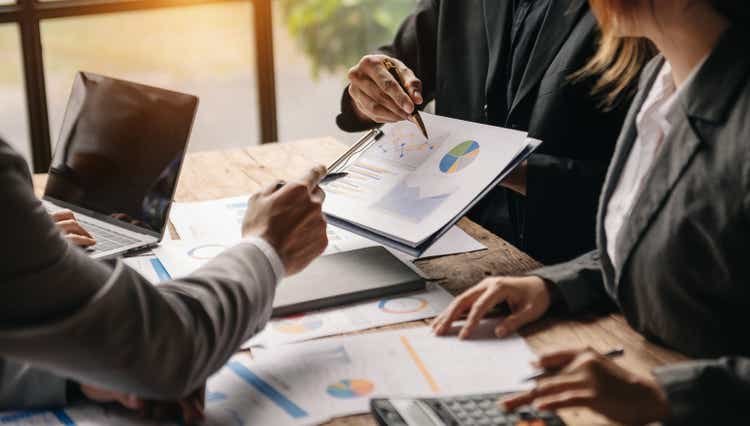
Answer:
(586, 378)
(384, 90)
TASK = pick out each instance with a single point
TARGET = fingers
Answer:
(581, 398)
(129, 401)
(545, 388)
(514, 321)
(370, 107)
(80, 241)
(71, 226)
(313, 177)
(559, 359)
(61, 215)
(453, 312)
(412, 84)
(367, 90)
(484, 303)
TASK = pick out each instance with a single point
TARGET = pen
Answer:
(415, 117)
(614, 353)
(333, 177)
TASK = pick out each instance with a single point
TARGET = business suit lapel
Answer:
(496, 15)
(700, 111)
(560, 20)
(622, 152)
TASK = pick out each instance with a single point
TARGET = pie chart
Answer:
(298, 325)
(350, 388)
(459, 157)
(206, 251)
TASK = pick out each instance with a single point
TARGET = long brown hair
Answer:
(619, 60)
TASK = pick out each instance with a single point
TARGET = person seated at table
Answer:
(673, 225)
(66, 319)
(510, 64)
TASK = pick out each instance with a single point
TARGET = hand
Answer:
(378, 96)
(72, 231)
(516, 179)
(527, 297)
(190, 409)
(588, 379)
(291, 220)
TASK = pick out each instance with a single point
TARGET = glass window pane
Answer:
(316, 42)
(4, 2)
(205, 50)
(14, 127)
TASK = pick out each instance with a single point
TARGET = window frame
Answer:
(28, 14)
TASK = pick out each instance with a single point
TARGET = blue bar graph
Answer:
(17, 416)
(160, 270)
(267, 390)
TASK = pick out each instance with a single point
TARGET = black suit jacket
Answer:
(682, 276)
(458, 49)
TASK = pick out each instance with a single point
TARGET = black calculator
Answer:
(468, 410)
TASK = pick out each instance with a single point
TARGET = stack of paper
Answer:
(405, 191)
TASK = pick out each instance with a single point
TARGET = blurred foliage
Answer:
(335, 34)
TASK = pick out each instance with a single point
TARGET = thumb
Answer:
(514, 321)
(313, 177)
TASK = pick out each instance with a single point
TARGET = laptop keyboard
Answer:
(106, 239)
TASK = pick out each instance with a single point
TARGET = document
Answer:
(387, 311)
(405, 190)
(149, 266)
(220, 221)
(337, 376)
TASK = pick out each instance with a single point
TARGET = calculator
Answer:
(468, 410)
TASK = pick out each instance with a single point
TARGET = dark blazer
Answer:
(683, 276)
(458, 49)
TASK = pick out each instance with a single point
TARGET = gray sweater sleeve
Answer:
(23, 386)
(579, 283)
(63, 312)
(707, 391)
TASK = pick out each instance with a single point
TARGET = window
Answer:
(205, 50)
(221, 50)
(13, 123)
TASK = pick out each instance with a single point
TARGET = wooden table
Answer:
(211, 175)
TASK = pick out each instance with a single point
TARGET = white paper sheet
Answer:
(408, 187)
(338, 376)
(219, 221)
(387, 311)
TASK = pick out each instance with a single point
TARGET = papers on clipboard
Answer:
(405, 191)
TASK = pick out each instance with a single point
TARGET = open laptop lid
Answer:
(120, 152)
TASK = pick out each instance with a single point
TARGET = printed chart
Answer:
(402, 305)
(300, 324)
(350, 388)
(459, 157)
(205, 251)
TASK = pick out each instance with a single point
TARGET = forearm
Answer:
(154, 342)
(707, 391)
(25, 387)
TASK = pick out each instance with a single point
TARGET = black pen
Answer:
(334, 176)
(614, 353)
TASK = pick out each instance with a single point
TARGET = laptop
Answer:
(117, 160)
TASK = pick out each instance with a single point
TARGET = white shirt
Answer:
(653, 123)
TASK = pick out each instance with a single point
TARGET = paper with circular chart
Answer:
(407, 188)
(386, 311)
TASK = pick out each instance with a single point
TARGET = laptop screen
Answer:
(120, 151)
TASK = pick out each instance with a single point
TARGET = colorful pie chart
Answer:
(206, 251)
(402, 305)
(351, 388)
(459, 157)
(298, 325)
